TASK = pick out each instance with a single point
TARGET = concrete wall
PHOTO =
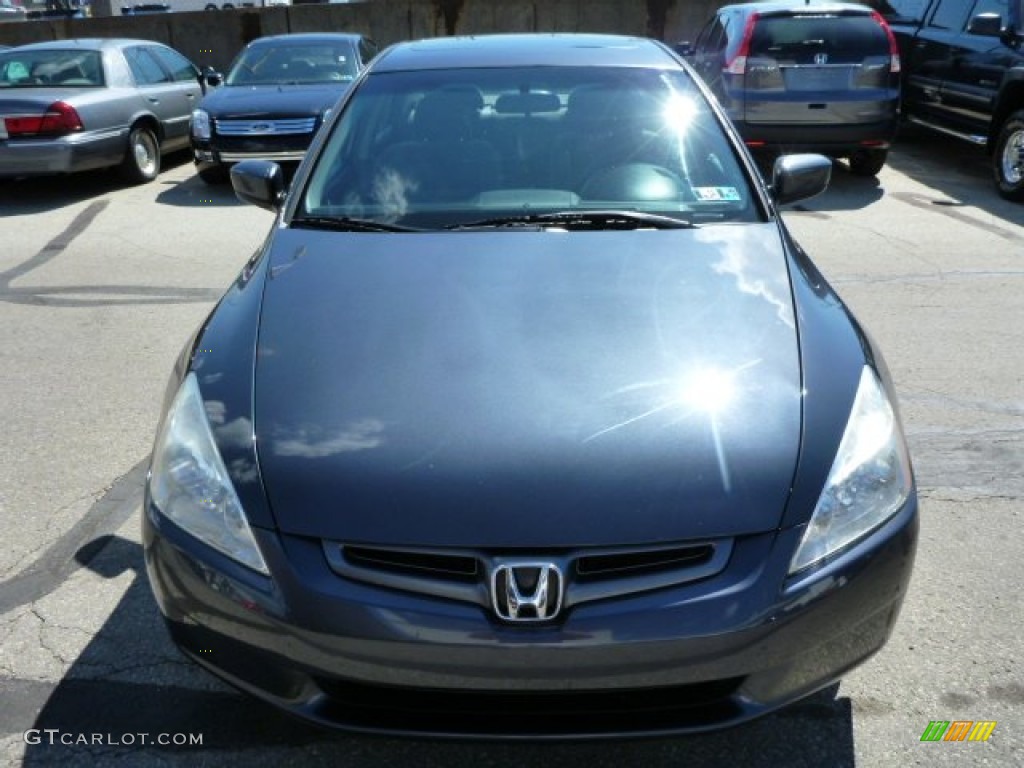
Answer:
(214, 37)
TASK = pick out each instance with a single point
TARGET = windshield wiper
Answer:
(575, 219)
(346, 224)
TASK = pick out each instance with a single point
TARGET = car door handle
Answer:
(152, 100)
(191, 95)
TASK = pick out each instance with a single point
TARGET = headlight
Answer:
(190, 485)
(869, 481)
(201, 124)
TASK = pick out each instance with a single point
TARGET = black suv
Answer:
(797, 76)
(964, 75)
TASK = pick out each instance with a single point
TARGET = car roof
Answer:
(525, 50)
(307, 37)
(796, 6)
(88, 43)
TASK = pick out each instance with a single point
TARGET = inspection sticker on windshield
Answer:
(716, 193)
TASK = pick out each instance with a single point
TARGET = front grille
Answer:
(628, 563)
(590, 574)
(439, 565)
(278, 127)
(547, 713)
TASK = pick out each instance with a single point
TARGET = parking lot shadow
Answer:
(193, 192)
(131, 680)
(957, 174)
(24, 197)
(846, 192)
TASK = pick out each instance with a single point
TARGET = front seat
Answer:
(443, 159)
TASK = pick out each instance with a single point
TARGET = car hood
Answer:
(528, 389)
(244, 101)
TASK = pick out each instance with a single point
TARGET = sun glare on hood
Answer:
(709, 390)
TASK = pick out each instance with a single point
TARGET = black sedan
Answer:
(274, 98)
(529, 419)
(76, 105)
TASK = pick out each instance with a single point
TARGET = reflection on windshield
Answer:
(281, 65)
(431, 149)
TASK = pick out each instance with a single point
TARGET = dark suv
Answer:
(965, 76)
(796, 76)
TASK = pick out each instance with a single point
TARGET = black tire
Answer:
(215, 174)
(868, 162)
(142, 156)
(1008, 158)
(211, 7)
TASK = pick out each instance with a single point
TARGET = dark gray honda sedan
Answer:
(529, 418)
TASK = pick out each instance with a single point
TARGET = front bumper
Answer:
(219, 152)
(684, 659)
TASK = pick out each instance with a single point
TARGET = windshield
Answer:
(50, 68)
(283, 64)
(448, 148)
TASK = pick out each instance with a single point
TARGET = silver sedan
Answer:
(75, 105)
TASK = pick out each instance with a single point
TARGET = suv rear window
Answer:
(845, 38)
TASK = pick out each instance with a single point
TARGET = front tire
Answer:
(142, 160)
(1008, 158)
(868, 162)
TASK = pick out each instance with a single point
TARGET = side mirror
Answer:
(683, 48)
(986, 25)
(212, 77)
(259, 183)
(799, 177)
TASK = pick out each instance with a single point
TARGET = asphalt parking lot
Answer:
(101, 285)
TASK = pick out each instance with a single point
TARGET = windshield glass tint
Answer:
(50, 68)
(445, 147)
(288, 64)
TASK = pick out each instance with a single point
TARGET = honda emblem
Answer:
(527, 591)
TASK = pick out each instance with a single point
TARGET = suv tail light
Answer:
(737, 65)
(59, 119)
(894, 48)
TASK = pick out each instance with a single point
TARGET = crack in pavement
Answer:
(928, 203)
(42, 642)
(966, 498)
(927, 277)
(53, 525)
(925, 395)
(57, 562)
